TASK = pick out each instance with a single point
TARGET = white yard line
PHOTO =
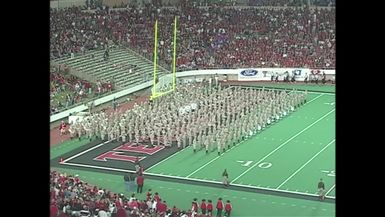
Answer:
(330, 190)
(280, 146)
(299, 169)
(176, 153)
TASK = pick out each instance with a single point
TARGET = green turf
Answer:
(245, 204)
(189, 164)
(66, 146)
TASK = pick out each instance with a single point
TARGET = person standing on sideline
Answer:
(203, 206)
(127, 181)
(62, 128)
(321, 190)
(219, 207)
(210, 208)
(225, 178)
(228, 208)
(139, 182)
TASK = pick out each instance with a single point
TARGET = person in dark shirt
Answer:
(321, 190)
(225, 178)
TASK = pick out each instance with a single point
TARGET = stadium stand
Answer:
(209, 37)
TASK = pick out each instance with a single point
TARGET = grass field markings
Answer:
(273, 202)
(284, 204)
(161, 187)
(280, 139)
(272, 139)
(323, 209)
(304, 142)
(169, 188)
(312, 143)
(244, 198)
(178, 189)
(206, 193)
(167, 158)
(85, 151)
(199, 180)
(314, 207)
(188, 191)
(330, 189)
(280, 190)
(237, 197)
(299, 169)
(303, 206)
(204, 165)
(100, 179)
(280, 146)
(253, 199)
(293, 205)
(197, 192)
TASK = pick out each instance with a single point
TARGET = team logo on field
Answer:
(126, 152)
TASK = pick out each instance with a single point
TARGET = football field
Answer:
(289, 156)
(273, 173)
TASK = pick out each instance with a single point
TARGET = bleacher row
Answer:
(116, 69)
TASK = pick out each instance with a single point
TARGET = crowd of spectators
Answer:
(67, 90)
(72, 197)
(207, 37)
(300, 39)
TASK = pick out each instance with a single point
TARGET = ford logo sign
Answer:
(249, 72)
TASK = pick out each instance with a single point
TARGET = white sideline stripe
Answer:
(176, 153)
(239, 143)
(281, 146)
(330, 189)
(299, 169)
(99, 167)
(83, 152)
(193, 179)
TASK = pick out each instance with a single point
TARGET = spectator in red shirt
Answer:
(219, 207)
(148, 196)
(54, 210)
(203, 206)
(210, 208)
(139, 182)
(121, 212)
(228, 208)
(156, 197)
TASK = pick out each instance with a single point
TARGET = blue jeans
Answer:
(127, 184)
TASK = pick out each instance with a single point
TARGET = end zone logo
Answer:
(120, 152)
(249, 72)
